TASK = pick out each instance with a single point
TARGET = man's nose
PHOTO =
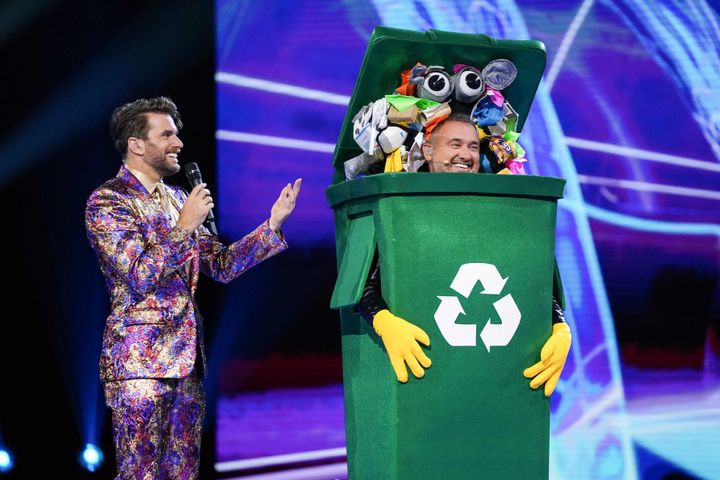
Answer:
(178, 142)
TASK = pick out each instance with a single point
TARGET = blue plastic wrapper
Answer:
(487, 112)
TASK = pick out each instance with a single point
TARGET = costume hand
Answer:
(284, 205)
(401, 343)
(552, 359)
(196, 208)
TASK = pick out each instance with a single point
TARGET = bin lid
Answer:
(392, 50)
(445, 183)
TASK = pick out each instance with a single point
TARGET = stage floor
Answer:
(298, 433)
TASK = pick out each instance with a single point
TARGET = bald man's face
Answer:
(454, 147)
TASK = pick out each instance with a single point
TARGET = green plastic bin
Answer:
(469, 259)
(492, 239)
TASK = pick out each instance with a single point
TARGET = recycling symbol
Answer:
(465, 335)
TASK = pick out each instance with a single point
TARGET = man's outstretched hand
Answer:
(401, 338)
(284, 205)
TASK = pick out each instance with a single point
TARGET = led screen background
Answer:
(627, 113)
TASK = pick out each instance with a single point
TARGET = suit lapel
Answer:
(150, 209)
(191, 276)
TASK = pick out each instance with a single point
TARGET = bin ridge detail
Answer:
(450, 308)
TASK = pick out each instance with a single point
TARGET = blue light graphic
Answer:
(682, 36)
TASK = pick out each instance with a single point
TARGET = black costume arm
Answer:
(557, 313)
(372, 301)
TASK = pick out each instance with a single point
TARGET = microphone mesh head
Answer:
(191, 168)
(192, 172)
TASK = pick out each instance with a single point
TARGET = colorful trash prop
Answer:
(390, 130)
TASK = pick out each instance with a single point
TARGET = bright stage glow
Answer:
(91, 458)
(281, 88)
(6, 461)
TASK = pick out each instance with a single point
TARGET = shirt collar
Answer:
(143, 178)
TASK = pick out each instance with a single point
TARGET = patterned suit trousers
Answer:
(157, 425)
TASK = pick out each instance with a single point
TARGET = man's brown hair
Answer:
(453, 117)
(130, 119)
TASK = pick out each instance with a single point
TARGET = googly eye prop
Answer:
(469, 82)
(436, 84)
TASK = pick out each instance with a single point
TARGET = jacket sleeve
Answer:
(224, 263)
(124, 252)
(372, 301)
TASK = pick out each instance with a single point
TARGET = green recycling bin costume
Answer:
(467, 258)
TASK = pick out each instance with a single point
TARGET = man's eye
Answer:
(474, 148)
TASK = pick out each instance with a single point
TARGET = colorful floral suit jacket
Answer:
(154, 328)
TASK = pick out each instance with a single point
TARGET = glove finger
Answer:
(534, 370)
(556, 360)
(420, 355)
(415, 367)
(547, 350)
(421, 336)
(542, 377)
(551, 384)
(399, 366)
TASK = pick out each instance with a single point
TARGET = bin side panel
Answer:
(370, 401)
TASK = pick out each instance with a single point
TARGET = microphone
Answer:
(192, 172)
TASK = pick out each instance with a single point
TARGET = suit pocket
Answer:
(146, 317)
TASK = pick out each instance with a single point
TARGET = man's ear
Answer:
(136, 146)
(427, 151)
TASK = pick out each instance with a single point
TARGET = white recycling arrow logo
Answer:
(465, 335)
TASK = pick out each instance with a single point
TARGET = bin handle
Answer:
(440, 35)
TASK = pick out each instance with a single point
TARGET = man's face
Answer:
(162, 145)
(454, 147)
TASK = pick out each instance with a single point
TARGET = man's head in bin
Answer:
(453, 146)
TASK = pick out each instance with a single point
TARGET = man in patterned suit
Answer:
(151, 246)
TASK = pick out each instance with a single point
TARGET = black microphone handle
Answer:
(210, 224)
(195, 179)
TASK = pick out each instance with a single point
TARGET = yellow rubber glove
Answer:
(552, 359)
(401, 339)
